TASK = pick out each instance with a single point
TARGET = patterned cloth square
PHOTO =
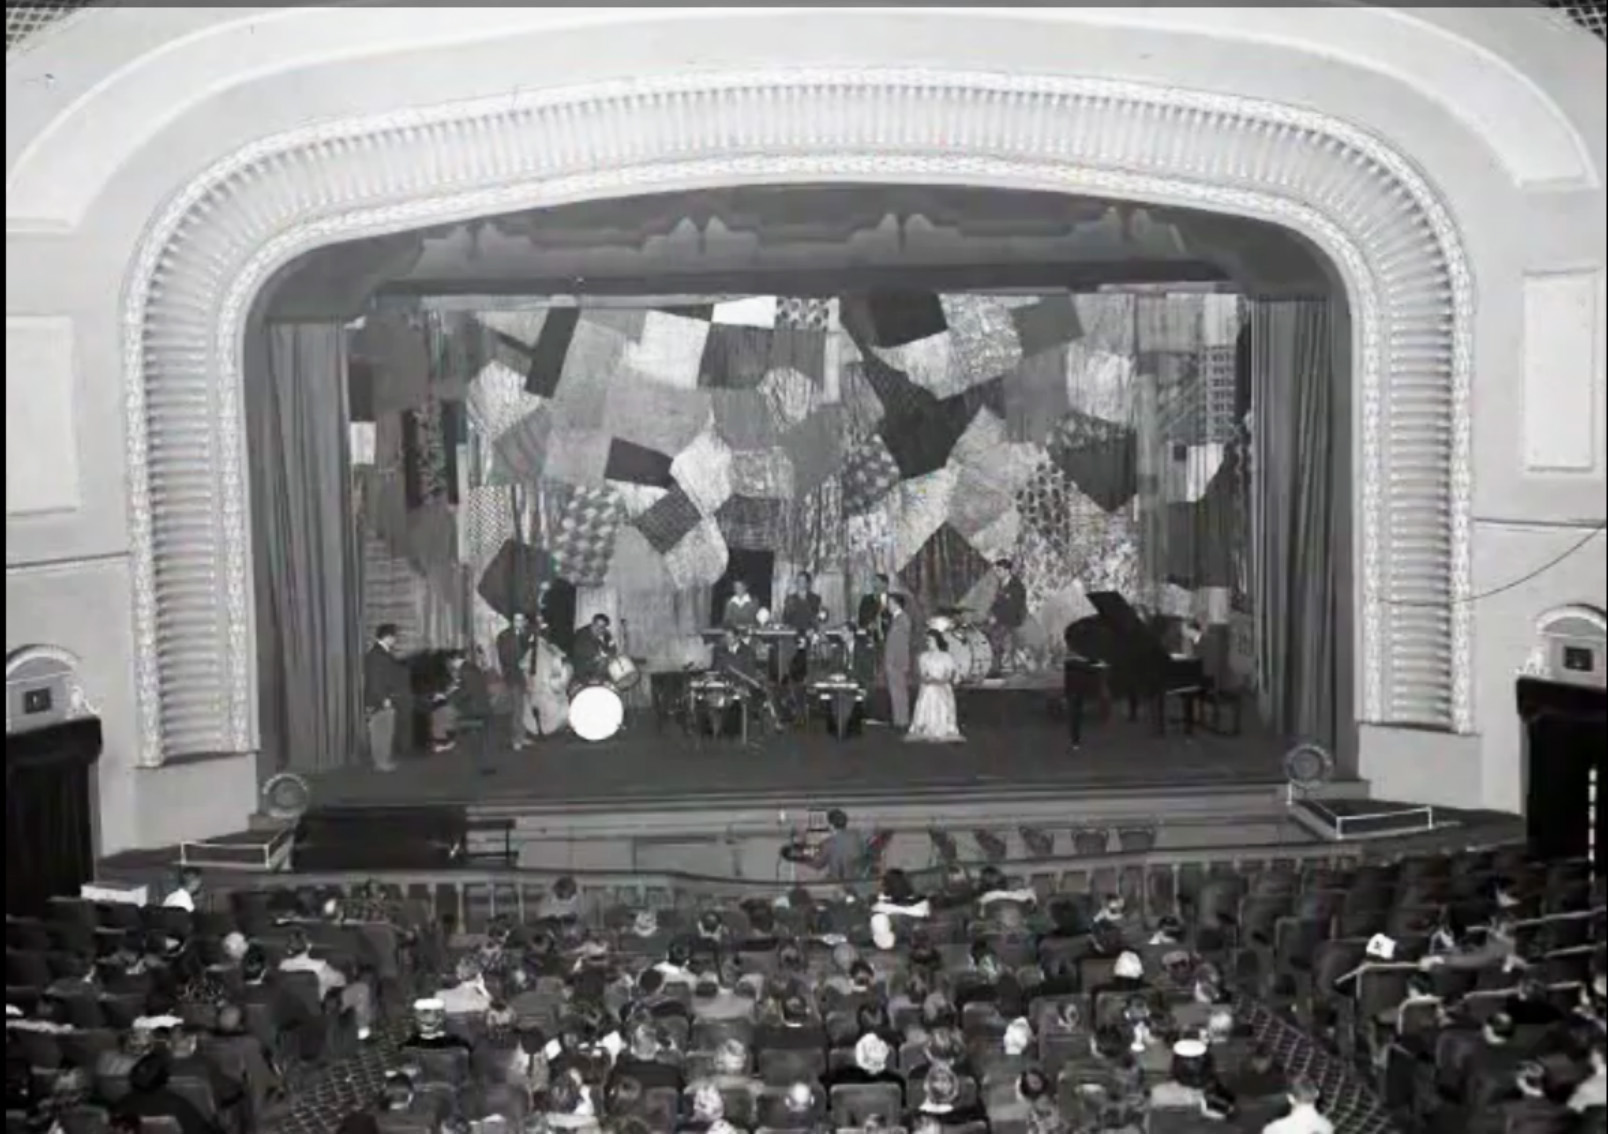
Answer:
(804, 314)
(488, 523)
(654, 415)
(813, 526)
(520, 452)
(983, 337)
(751, 523)
(977, 501)
(928, 363)
(703, 470)
(581, 396)
(923, 505)
(1000, 538)
(868, 475)
(1036, 397)
(1099, 384)
(497, 399)
(790, 395)
(1049, 323)
(943, 569)
(577, 456)
(668, 522)
(700, 559)
(743, 418)
(669, 350)
(581, 540)
(859, 399)
(765, 473)
(637, 465)
(816, 448)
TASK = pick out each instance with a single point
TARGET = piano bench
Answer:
(1223, 712)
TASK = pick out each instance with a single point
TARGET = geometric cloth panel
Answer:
(804, 314)
(983, 338)
(750, 523)
(943, 570)
(703, 470)
(764, 473)
(669, 350)
(869, 473)
(521, 449)
(744, 418)
(668, 522)
(816, 448)
(582, 539)
(700, 558)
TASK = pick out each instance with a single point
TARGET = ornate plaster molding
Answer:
(214, 246)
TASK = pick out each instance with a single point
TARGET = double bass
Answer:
(548, 680)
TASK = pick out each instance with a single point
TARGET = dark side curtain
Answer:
(308, 577)
(1294, 565)
(49, 824)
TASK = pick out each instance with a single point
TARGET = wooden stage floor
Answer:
(642, 767)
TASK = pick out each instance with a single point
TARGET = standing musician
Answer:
(803, 614)
(742, 612)
(875, 612)
(1007, 614)
(516, 654)
(594, 649)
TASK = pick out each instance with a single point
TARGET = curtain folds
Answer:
(309, 578)
(1294, 573)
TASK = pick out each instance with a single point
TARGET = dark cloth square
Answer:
(1100, 457)
(669, 520)
(551, 349)
(735, 358)
(636, 464)
(512, 580)
(921, 442)
(1051, 322)
(360, 390)
(945, 569)
(750, 523)
(901, 317)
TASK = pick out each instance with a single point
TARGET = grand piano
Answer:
(1115, 652)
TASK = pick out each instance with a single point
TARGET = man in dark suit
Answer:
(1007, 614)
(594, 649)
(896, 660)
(516, 657)
(462, 712)
(874, 613)
(387, 699)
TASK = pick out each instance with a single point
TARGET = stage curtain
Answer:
(308, 556)
(1294, 568)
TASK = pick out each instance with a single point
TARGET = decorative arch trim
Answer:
(1591, 615)
(214, 246)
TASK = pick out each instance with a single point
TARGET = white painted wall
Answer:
(1501, 109)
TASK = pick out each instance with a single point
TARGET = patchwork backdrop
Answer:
(1096, 439)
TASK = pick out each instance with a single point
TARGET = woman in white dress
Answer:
(934, 720)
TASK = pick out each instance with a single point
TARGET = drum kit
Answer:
(597, 705)
(968, 643)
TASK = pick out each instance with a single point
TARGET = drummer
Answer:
(594, 649)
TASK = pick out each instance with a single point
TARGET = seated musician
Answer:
(801, 610)
(463, 707)
(734, 654)
(594, 649)
(741, 612)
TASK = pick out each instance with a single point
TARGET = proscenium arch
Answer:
(215, 245)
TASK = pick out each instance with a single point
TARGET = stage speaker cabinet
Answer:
(381, 838)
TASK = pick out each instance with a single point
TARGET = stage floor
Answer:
(643, 767)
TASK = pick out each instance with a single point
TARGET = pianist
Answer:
(734, 655)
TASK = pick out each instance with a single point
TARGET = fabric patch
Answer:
(666, 523)
(1107, 320)
(696, 312)
(999, 539)
(520, 453)
(511, 581)
(1036, 397)
(1101, 458)
(429, 463)
(1169, 323)
(654, 415)
(637, 465)
(765, 473)
(751, 523)
(813, 526)
(897, 394)
(669, 349)
(754, 311)
(804, 314)
(700, 558)
(433, 536)
(928, 363)
(870, 533)
(868, 475)
(977, 501)
(790, 395)
(815, 448)
(944, 569)
(637, 567)
(743, 418)
(627, 322)
(921, 508)
(1049, 323)
(984, 339)
(735, 358)
(582, 539)
(637, 498)
(859, 399)
(1042, 566)
(497, 399)
(576, 456)
(549, 355)
(594, 358)
(900, 317)
(521, 328)
(703, 470)
(488, 523)
(921, 442)
(1099, 384)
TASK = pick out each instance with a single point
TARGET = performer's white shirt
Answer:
(180, 899)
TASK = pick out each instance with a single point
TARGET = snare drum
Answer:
(973, 653)
(623, 673)
(596, 711)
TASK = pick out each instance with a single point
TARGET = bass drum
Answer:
(596, 712)
(973, 653)
(623, 673)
